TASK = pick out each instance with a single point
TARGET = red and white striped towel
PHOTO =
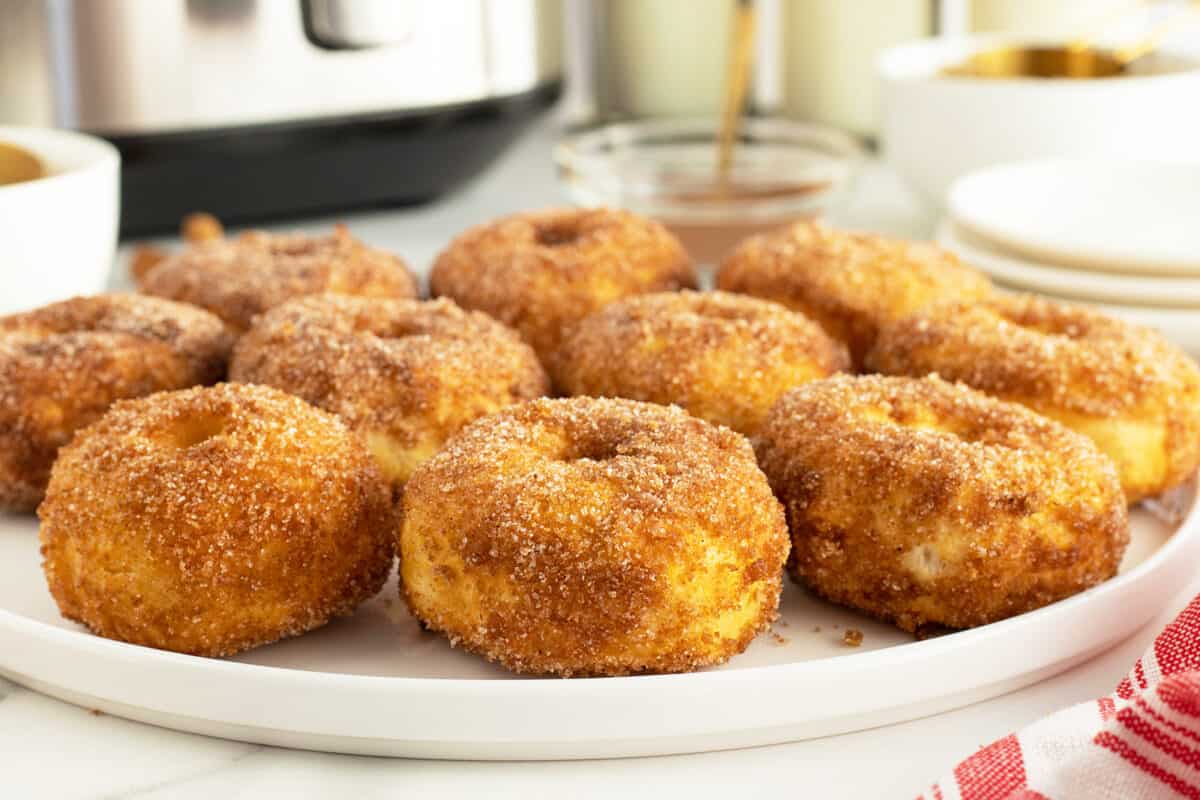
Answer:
(1141, 742)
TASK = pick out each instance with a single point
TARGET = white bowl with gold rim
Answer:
(58, 232)
(937, 127)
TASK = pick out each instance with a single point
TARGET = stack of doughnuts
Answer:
(866, 414)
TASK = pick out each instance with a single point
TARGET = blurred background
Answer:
(1054, 144)
(261, 109)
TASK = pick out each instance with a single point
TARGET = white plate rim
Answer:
(1158, 292)
(1177, 324)
(1078, 254)
(1179, 538)
(724, 691)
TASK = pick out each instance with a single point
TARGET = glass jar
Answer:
(829, 49)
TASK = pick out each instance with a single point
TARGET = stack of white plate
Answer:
(1123, 236)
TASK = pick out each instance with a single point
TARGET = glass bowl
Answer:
(782, 171)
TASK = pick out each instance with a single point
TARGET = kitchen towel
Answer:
(1142, 742)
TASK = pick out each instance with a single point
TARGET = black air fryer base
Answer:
(284, 170)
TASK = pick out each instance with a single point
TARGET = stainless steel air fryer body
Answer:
(182, 77)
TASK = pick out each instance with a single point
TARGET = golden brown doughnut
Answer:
(722, 357)
(63, 365)
(925, 502)
(200, 226)
(588, 536)
(1134, 393)
(242, 277)
(404, 374)
(850, 283)
(541, 271)
(212, 520)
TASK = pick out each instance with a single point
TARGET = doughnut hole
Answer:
(592, 451)
(556, 232)
(586, 536)
(926, 503)
(725, 358)
(196, 431)
(209, 521)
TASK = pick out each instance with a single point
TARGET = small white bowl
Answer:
(58, 234)
(936, 128)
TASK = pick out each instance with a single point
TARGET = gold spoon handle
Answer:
(1152, 40)
(741, 56)
(1148, 44)
(1096, 29)
(18, 164)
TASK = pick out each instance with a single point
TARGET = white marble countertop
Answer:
(49, 749)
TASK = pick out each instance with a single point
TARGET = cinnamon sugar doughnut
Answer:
(1129, 389)
(590, 536)
(540, 271)
(213, 520)
(850, 283)
(63, 365)
(925, 502)
(722, 357)
(403, 373)
(242, 277)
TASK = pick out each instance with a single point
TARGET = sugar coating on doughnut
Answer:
(63, 365)
(239, 278)
(1125, 386)
(405, 374)
(212, 520)
(849, 282)
(722, 357)
(588, 536)
(925, 502)
(541, 271)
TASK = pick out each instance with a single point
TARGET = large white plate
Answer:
(375, 684)
(1123, 216)
(1105, 287)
